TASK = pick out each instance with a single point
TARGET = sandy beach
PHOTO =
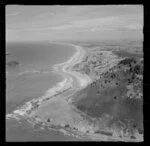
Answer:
(70, 77)
(65, 68)
(55, 104)
(74, 73)
(55, 111)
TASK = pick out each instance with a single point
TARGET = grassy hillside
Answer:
(116, 96)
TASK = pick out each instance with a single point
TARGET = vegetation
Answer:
(93, 64)
(116, 91)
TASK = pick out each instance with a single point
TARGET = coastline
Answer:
(57, 109)
(63, 69)
(66, 67)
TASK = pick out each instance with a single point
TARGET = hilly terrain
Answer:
(113, 102)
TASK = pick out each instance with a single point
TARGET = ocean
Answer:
(29, 75)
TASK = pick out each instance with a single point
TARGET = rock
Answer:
(48, 120)
(132, 137)
(12, 63)
(67, 126)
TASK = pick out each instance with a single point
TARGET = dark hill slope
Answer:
(117, 93)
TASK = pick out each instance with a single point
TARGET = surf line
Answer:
(29, 107)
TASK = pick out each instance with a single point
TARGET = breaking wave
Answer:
(30, 106)
(30, 72)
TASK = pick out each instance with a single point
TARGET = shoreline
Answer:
(57, 105)
(66, 67)
(29, 109)
(63, 69)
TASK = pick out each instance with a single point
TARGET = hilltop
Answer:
(113, 102)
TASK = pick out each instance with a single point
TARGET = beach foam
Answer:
(34, 72)
(29, 107)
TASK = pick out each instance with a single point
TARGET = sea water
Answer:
(31, 78)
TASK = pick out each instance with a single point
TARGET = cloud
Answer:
(132, 27)
(72, 22)
(13, 14)
(93, 23)
(135, 27)
(62, 27)
(46, 15)
(86, 24)
(116, 23)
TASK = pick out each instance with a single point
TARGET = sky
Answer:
(65, 23)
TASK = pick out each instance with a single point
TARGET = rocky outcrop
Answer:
(12, 63)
